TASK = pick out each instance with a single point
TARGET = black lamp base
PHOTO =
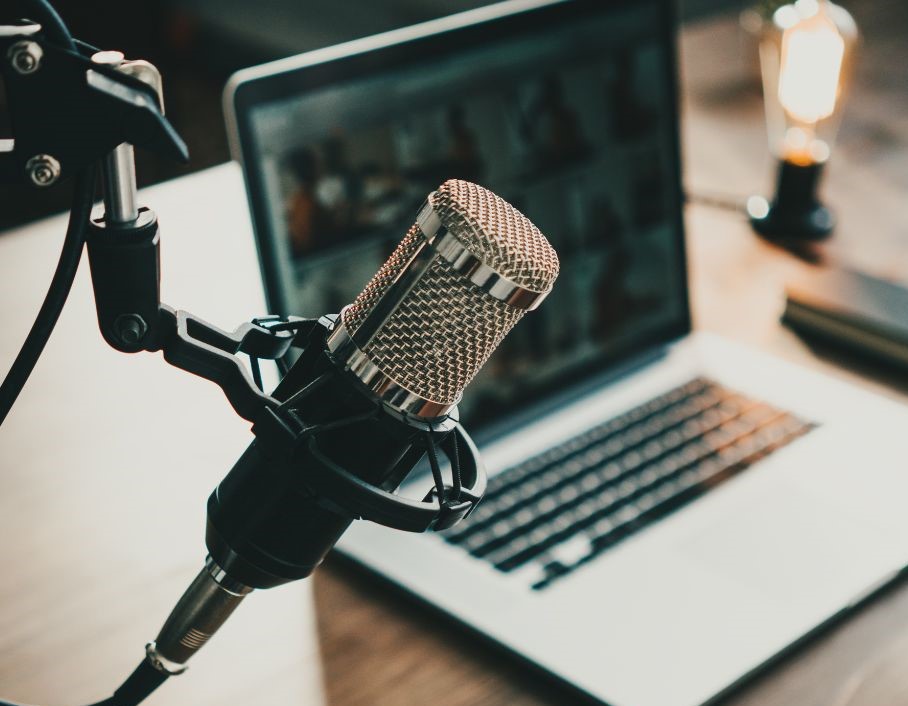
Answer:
(796, 214)
(811, 224)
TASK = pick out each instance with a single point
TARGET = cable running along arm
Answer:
(57, 293)
(83, 193)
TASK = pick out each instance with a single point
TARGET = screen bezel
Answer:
(436, 39)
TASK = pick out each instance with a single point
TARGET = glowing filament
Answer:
(812, 52)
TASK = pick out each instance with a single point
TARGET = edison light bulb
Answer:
(812, 52)
(806, 54)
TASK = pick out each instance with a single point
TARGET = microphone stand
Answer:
(73, 107)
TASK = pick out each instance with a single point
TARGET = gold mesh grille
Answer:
(497, 233)
(441, 335)
(445, 328)
(356, 313)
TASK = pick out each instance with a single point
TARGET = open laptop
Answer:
(667, 511)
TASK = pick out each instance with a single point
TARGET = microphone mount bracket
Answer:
(198, 347)
(207, 351)
(68, 109)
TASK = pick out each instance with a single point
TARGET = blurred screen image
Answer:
(574, 127)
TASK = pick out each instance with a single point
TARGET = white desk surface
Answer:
(106, 463)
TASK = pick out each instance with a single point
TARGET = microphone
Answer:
(374, 392)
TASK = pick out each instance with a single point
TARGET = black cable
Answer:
(83, 197)
(145, 679)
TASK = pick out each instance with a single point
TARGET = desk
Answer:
(94, 555)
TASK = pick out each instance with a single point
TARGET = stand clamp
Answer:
(70, 108)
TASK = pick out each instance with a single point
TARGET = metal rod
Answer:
(119, 181)
(118, 170)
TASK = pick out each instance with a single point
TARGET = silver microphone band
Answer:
(348, 352)
(462, 261)
(466, 272)
(350, 356)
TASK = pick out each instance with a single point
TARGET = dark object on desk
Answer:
(860, 312)
(796, 213)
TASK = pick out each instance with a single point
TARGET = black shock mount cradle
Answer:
(125, 268)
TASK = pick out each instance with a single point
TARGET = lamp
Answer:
(806, 53)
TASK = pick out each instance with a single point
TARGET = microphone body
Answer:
(373, 392)
(266, 525)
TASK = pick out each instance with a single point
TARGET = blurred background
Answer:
(198, 44)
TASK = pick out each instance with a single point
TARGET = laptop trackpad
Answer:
(791, 546)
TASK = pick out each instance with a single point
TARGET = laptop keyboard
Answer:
(558, 510)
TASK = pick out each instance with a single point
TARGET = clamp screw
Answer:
(43, 169)
(130, 328)
(25, 56)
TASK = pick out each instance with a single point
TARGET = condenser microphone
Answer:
(373, 393)
(465, 273)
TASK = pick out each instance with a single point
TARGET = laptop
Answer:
(667, 511)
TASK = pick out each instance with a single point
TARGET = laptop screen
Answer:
(567, 111)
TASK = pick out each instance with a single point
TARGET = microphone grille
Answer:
(441, 331)
(357, 313)
(497, 233)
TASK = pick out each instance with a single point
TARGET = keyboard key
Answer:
(556, 511)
